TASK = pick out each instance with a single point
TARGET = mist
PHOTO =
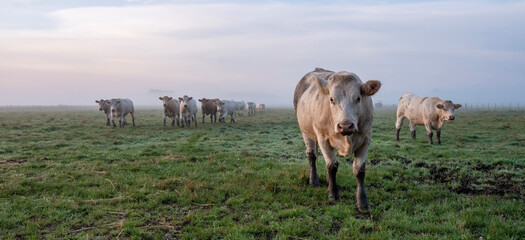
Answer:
(63, 52)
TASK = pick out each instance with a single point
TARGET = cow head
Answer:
(165, 100)
(447, 110)
(184, 101)
(115, 103)
(103, 104)
(345, 94)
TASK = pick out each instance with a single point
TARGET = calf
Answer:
(119, 109)
(429, 111)
(225, 108)
(335, 111)
(209, 107)
(105, 105)
(188, 110)
(171, 109)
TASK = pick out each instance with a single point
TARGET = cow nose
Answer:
(185, 105)
(164, 104)
(451, 117)
(113, 110)
(346, 128)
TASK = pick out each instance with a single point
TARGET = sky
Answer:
(72, 52)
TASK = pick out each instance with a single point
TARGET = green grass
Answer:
(64, 174)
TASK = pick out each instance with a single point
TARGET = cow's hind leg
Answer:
(311, 154)
(108, 122)
(133, 118)
(359, 172)
(399, 124)
(331, 168)
(413, 130)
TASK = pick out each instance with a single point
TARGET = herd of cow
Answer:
(334, 112)
(182, 110)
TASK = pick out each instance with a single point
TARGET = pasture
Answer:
(64, 174)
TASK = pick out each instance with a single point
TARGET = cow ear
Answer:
(190, 98)
(456, 106)
(170, 98)
(370, 87)
(161, 98)
(118, 101)
(321, 84)
(440, 106)
(180, 99)
(108, 102)
(97, 101)
(200, 100)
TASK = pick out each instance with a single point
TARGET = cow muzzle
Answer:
(346, 128)
(451, 117)
(113, 110)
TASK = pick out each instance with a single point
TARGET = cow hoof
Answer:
(334, 197)
(363, 208)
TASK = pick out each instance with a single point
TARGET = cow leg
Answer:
(438, 135)
(311, 154)
(413, 130)
(195, 119)
(133, 118)
(107, 122)
(173, 121)
(164, 121)
(178, 118)
(232, 120)
(331, 168)
(359, 172)
(399, 124)
(429, 132)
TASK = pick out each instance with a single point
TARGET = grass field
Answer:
(64, 174)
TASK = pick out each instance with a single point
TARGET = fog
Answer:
(73, 52)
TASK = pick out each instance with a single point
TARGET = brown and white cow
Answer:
(120, 107)
(260, 108)
(429, 111)
(105, 105)
(188, 110)
(171, 109)
(209, 107)
(335, 112)
(251, 108)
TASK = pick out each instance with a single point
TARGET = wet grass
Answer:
(64, 174)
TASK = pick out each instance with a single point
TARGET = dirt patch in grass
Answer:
(13, 162)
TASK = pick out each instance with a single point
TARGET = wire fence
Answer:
(493, 106)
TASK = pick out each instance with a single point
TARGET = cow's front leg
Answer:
(311, 154)
(429, 132)
(108, 122)
(359, 172)
(438, 135)
(195, 119)
(331, 168)
(164, 121)
(173, 122)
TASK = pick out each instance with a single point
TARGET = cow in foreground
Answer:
(188, 110)
(208, 107)
(105, 105)
(335, 112)
(171, 109)
(251, 108)
(119, 109)
(260, 108)
(225, 108)
(429, 111)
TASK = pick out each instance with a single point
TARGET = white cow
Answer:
(188, 110)
(119, 109)
(225, 108)
(105, 105)
(171, 109)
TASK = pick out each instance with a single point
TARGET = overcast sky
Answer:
(75, 51)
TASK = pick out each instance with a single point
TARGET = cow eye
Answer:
(331, 100)
(358, 100)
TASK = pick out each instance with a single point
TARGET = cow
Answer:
(429, 111)
(335, 112)
(188, 110)
(251, 108)
(240, 107)
(225, 108)
(208, 106)
(260, 108)
(119, 109)
(105, 105)
(171, 109)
